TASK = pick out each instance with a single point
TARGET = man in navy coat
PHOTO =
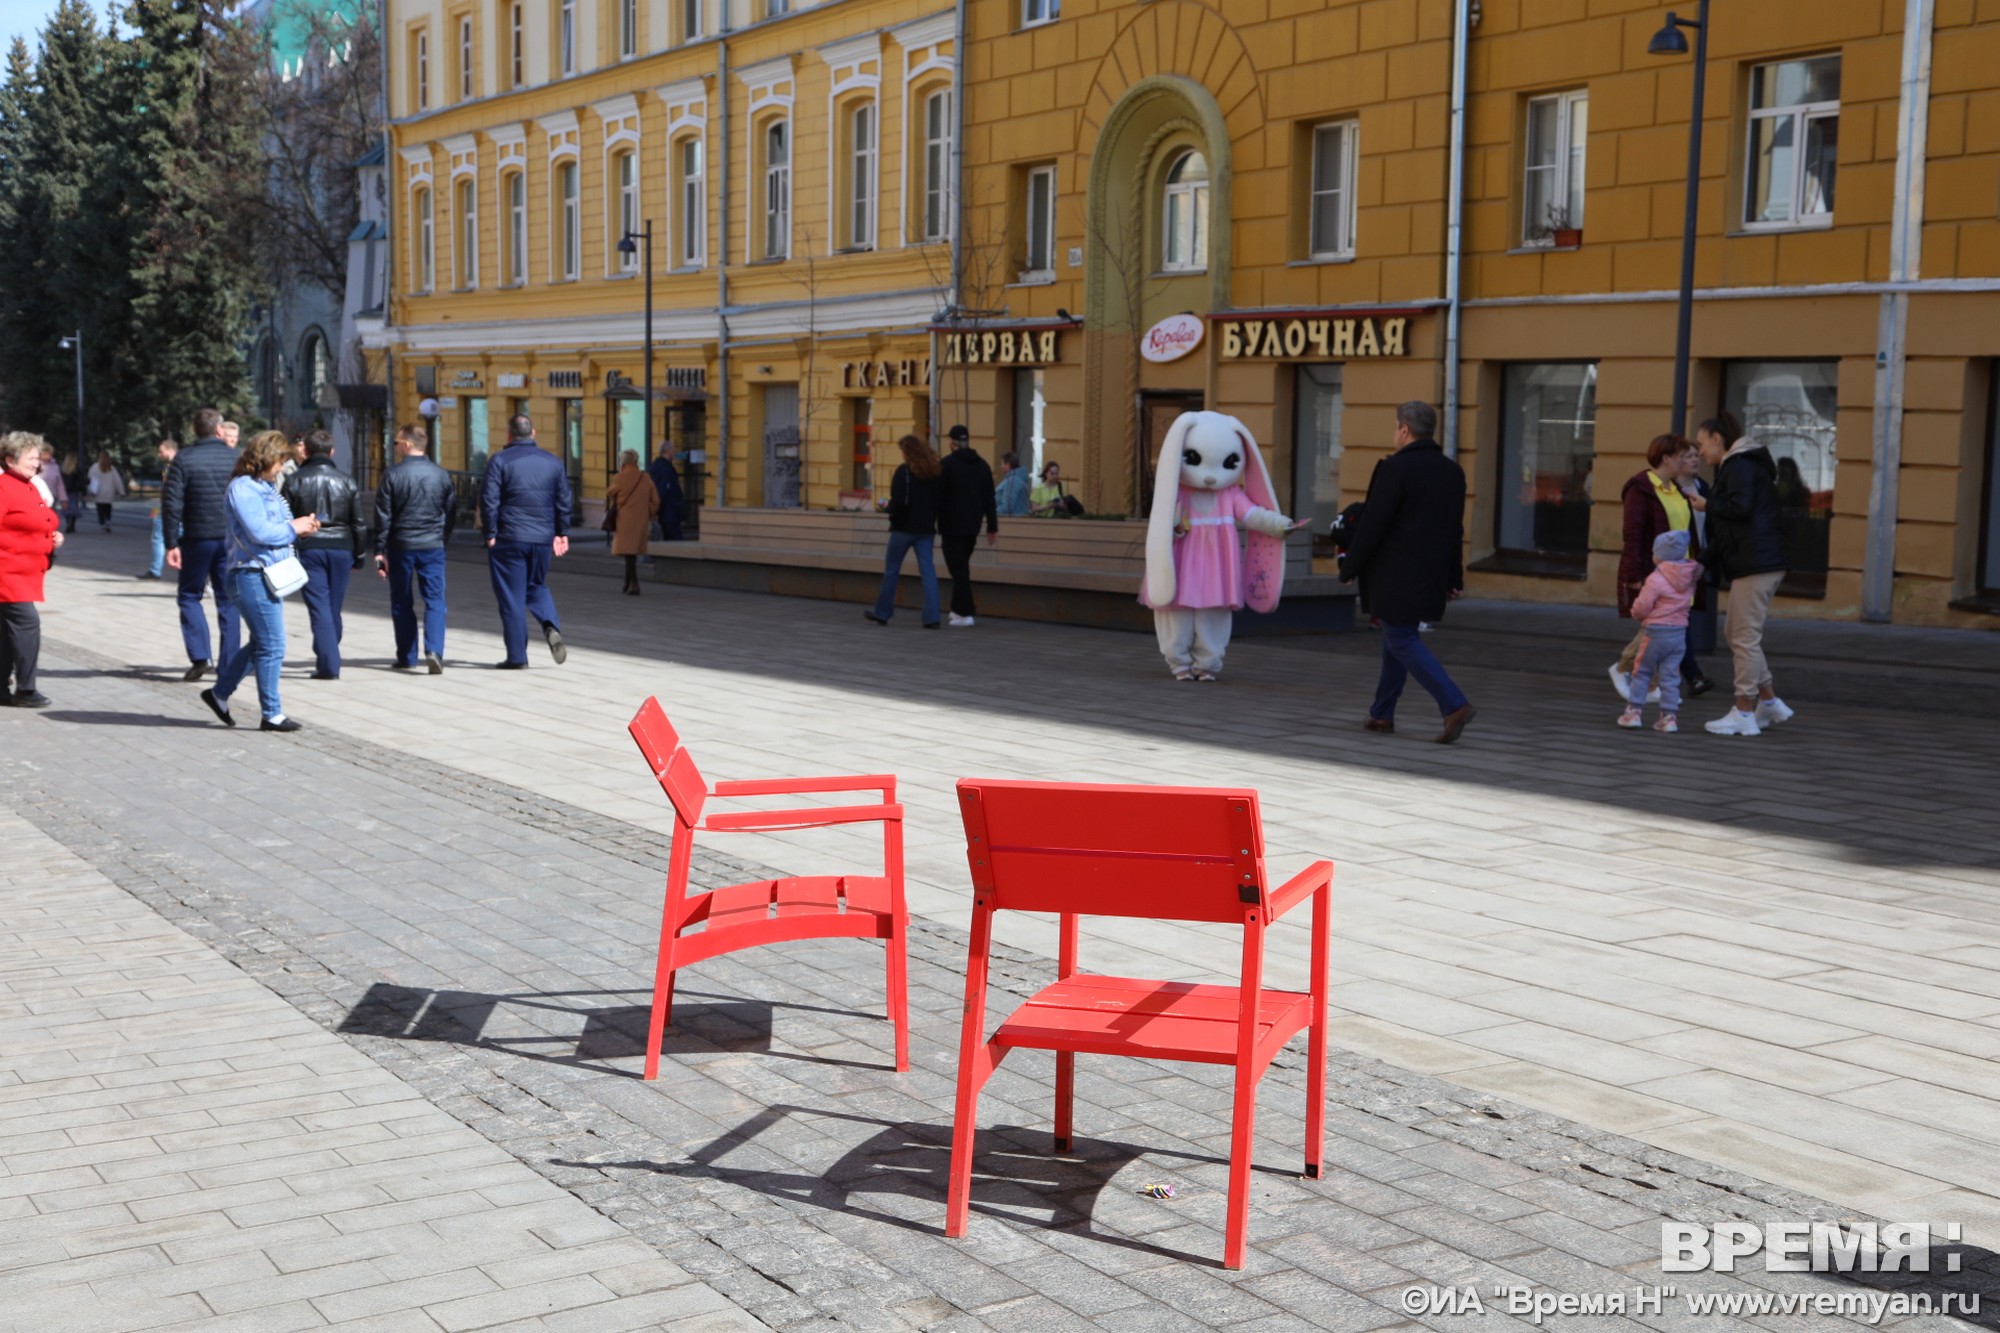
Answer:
(524, 503)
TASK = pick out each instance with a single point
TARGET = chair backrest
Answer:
(671, 764)
(1170, 853)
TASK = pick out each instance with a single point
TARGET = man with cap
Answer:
(1661, 608)
(968, 500)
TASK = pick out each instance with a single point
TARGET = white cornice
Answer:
(502, 136)
(849, 50)
(931, 30)
(682, 91)
(621, 107)
(767, 72)
(419, 156)
(561, 122)
(460, 144)
(564, 336)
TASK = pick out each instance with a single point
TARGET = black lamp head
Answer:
(628, 246)
(1668, 41)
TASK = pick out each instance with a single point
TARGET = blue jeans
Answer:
(426, 568)
(204, 565)
(1403, 656)
(1659, 663)
(325, 593)
(900, 545)
(520, 585)
(264, 617)
(159, 559)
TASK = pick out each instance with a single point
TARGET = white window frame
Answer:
(1034, 13)
(423, 69)
(465, 57)
(864, 121)
(1349, 132)
(628, 29)
(625, 219)
(465, 231)
(566, 34)
(1197, 195)
(777, 8)
(934, 221)
(777, 191)
(568, 192)
(691, 214)
(426, 209)
(518, 54)
(1802, 114)
(1040, 220)
(1565, 173)
(694, 24)
(515, 185)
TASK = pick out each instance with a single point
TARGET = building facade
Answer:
(1300, 214)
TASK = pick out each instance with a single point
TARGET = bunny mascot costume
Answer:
(1211, 480)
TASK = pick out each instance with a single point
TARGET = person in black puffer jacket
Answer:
(915, 494)
(194, 517)
(331, 554)
(1745, 548)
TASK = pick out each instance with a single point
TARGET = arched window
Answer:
(625, 172)
(466, 207)
(426, 273)
(934, 220)
(861, 177)
(569, 226)
(514, 189)
(691, 217)
(316, 362)
(777, 190)
(1184, 215)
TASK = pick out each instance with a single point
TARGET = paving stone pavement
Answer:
(489, 945)
(1779, 955)
(182, 1149)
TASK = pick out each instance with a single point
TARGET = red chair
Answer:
(1165, 853)
(743, 916)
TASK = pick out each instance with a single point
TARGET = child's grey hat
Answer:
(1671, 545)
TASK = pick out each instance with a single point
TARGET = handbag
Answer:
(285, 577)
(610, 523)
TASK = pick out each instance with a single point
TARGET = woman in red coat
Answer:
(28, 540)
(1664, 496)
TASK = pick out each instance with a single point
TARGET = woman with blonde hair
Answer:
(261, 533)
(632, 500)
(914, 494)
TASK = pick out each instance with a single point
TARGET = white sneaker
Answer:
(1621, 681)
(1735, 722)
(958, 621)
(1770, 712)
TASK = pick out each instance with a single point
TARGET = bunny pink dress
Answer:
(1208, 560)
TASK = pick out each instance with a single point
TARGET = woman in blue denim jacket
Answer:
(261, 532)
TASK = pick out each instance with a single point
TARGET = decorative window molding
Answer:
(620, 118)
(510, 145)
(928, 62)
(463, 149)
(772, 86)
(931, 33)
(686, 105)
(853, 168)
(562, 131)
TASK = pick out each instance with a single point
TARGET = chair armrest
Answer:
(882, 782)
(821, 817)
(1318, 875)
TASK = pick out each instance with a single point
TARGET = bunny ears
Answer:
(1160, 580)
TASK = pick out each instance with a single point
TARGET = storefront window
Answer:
(1316, 451)
(1029, 409)
(572, 445)
(1548, 445)
(476, 446)
(1789, 407)
(1989, 533)
(629, 424)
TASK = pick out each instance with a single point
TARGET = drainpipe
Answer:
(389, 168)
(1454, 260)
(721, 470)
(1906, 237)
(957, 213)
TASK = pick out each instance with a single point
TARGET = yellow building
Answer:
(1283, 174)
(793, 169)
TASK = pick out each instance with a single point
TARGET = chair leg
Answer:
(1237, 1228)
(663, 1005)
(964, 1128)
(899, 993)
(1316, 1098)
(1065, 1097)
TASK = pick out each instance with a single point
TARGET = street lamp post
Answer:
(1668, 41)
(75, 341)
(628, 243)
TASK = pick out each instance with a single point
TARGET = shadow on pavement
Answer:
(88, 718)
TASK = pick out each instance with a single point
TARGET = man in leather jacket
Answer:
(194, 520)
(415, 511)
(319, 488)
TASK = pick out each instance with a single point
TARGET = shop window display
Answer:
(1316, 451)
(1548, 447)
(1790, 407)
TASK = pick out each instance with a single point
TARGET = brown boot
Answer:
(1454, 722)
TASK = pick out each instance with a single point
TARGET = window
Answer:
(861, 178)
(1330, 224)
(466, 206)
(517, 51)
(628, 28)
(1040, 11)
(1316, 451)
(936, 221)
(691, 24)
(426, 243)
(317, 367)
(1030, 413)
(1548, 445)
(566, 35)
(777, 190)
(465, 58)
(1790, 407)
(420, 63)
(625, 170)
(515, 188)
(1987, 584)
(773, 8)
(1038, 225)
(1794, 143)
(692, 233)
(1184, 215)
(1552, 181)
(569, 225)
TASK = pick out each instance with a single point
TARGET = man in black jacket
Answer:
(194, 511)
(319, 488)
(415, 511)
(968, 500)
(524, 504)
(1407, 553)
(1746, 549)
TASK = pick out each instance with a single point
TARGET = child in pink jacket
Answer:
(1661, 608)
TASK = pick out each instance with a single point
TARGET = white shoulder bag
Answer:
(286, 577)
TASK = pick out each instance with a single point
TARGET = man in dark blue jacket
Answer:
(415, 510)
(194, 521)
(667, 481)
(524, 505)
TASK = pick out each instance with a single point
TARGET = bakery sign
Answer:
(1297, 338)
(1172, 338)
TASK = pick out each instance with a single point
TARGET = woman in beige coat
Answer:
(634, 502)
